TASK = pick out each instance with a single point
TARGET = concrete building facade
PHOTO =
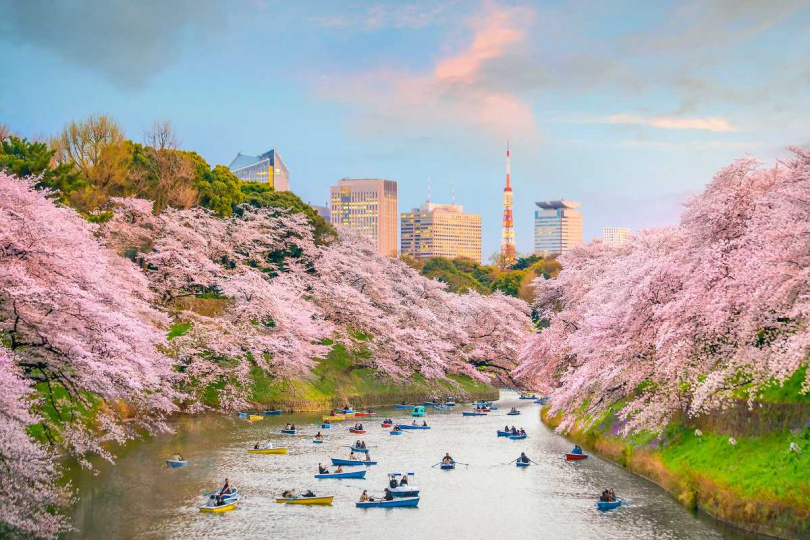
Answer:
(440, 230)
(616, 236)
(369, 206)
(557, 227)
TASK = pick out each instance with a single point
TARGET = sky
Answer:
(628, 107)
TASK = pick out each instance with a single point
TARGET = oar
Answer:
(533, 461)
(439, 463)
(460, 463)
(514, 460)
(291, 500)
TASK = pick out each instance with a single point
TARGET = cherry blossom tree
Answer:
(680, 319)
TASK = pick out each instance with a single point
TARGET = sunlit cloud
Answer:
(453, 93)
(710, 123)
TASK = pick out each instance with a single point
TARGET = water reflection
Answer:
(141, 498)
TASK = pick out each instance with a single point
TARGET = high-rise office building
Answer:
(557, 226)
(369, 206)
(440, 230)
(267, 168)
(616, 236)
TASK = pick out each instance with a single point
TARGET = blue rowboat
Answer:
(352, 474)
(441, 407)
(403, 406)
(450, 403)
(609, 505)
(395, 432)
(517, 437)
(351, 462)
(348, 411)
(395, 503)
(465, 413)
(504, 433)
(429, 403)
(229, 498)
(525, 396)
(176, 464)
(522, 464)
(406, 426)
(317, 441)
(272, 413)
(513, 413)
(243, 415)
(491, 408)
(290, 431)
(364, 450)
(325, 426)
(448, 466)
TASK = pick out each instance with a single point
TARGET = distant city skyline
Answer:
(631, 105)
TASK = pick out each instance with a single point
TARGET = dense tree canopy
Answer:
(684, 318)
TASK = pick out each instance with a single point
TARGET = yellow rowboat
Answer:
(218, 509)
(267, 451)
(306, 500)
(330, 418)
(254, 417)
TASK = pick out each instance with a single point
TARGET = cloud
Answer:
(455, 93)
(712, 123)
(374, 17)
(128, 42)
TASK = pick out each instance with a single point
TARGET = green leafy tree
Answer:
(509, 282)
(22, 158)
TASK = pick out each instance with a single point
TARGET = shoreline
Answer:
(696, 492)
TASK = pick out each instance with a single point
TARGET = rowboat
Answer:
(217, 509)
(609, 505)
(403, 491)
(430, 403)
(355, 430)
(386, 425)
(326, 426)
(513, 413)
(397, 432)
(411, 426)
(352, 474)
(176, 463)
(364, 414)
(448, 466)
(255, 417)
(306, 500)
(403, 406)
(528, 396)
(274, 412)
(333, 418)
(484, 410)
(418, 410)
(522, 464)
(575, 457)
(364, 450)
(518, 437)
(450, 403)
(351, 462)
(267, 450)
(441, 407)
(504, 433)
(465, 413)
(290, 431)
(317, 441)
(243, 415)
(228, 498)
(395, 503)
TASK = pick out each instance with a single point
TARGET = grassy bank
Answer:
(759, 484)
(341, 378)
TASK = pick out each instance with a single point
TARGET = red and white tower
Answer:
(508, 232)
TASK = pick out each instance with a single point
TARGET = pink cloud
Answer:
(451, 93)
(708, 123)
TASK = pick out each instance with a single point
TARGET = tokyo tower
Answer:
(508, 232)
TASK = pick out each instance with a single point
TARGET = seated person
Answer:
(226, 489)
(577, 450)
(404, 480)
(447, 459)
(424, 424)
(308, 493)
(339, 469)
(256, 446)
(327, 422)
(413, 423)
(288, 493)
(364, 497)
(293, 426)
(178, 457)
(523, 458)
(388, 495)
(393, 482)
(322, 469)
(368, 456)
(352, 456)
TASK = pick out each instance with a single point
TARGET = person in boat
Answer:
(332, 413)
(308, 493)
(364, 497)
(322, 469)
(506, 428)
(360, 427)
(522, 432)
(318, 436)
(397, 428)
(287, 425)
(293, 426)
(513, 409)
(393, 482)
(327, 422)
(611, 495)
(424, 424)
(288, 493)
(447, 460)
(523, 458)
(604, 496)
(577, 450)
(256, 446)
(339, 469)
(404, 480)
(352, 456)
(226, 489)
(388, 495)
(368, 456)
(177, 457)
